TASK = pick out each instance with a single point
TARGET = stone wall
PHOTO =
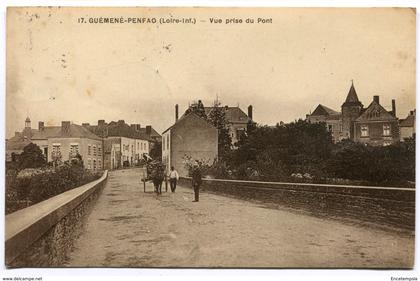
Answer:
(42, 235)
(381, 206)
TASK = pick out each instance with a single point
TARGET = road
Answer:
(130, 228)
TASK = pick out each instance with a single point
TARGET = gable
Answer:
(322, 110)
(375, 112)
(191, 120)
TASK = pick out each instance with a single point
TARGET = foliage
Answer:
(217, 118)
(388, 165)
(31, 186)
(31, 157)
(198, 109)
(156, 151)
(304, 152)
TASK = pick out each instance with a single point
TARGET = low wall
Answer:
(42, 235)
(383, 206)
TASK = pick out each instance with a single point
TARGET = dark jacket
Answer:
(196, 177)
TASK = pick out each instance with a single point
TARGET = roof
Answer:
(108, 144)
(46, 133)
(119, 129)
(409, 121)
(233, 114)
(323, 110)
(375, 112)
(352, 98)
(76, 131)
(186, 116)
(153, 133)
(16, 143)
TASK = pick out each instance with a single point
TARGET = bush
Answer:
(31, 186)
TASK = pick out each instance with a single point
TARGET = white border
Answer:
(188, 274)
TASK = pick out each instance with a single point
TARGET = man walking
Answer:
(173, 178)
(196, 182)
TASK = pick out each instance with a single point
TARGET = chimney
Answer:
(394, 110)
(411, 112)
(41, 126)
(376, 99)
(65, 127)
(148, 130)
(176, 112)
(101, 123)
(138, 126)
(121, 122)
(85, 125)
(133, 126)
(250, 112)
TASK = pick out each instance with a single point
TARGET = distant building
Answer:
(408, 126)
(236, 119)
(190, 136)
(124, 144)
(331, 118)
(372, 125)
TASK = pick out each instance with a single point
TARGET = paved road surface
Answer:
(129, 228)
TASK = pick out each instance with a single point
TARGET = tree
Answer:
(156, 151)
(198, 109)
(217, 118)
(31, 157)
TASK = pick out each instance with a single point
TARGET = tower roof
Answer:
(352, 98)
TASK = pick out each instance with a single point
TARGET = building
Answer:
(408, 126)
(373, 125)
(60, 143)
(125, 145)
(236, 119)
(74, 139)
(190, 136)
(331, 118)
(376, 126)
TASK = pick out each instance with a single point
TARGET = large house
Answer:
(372, 125)
(60, 143)
(190, 137)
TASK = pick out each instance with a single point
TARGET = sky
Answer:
(59, 69)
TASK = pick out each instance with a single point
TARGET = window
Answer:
(74, 149)
(364, 130)
(56, 148)
(330, 127)
(89, 164)
(163, 143)
(387, 130)
(89, 149)
(94, 150)
(94, 164)
(167, 142)
(99, 165)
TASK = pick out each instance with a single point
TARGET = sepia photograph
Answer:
(213, 138)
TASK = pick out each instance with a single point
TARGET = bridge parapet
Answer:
(42, 235)
(381, 206)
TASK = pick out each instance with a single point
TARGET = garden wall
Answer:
(382, 206)
(42, 235)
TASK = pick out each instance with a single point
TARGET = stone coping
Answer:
(25, 226)
(308, 184)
